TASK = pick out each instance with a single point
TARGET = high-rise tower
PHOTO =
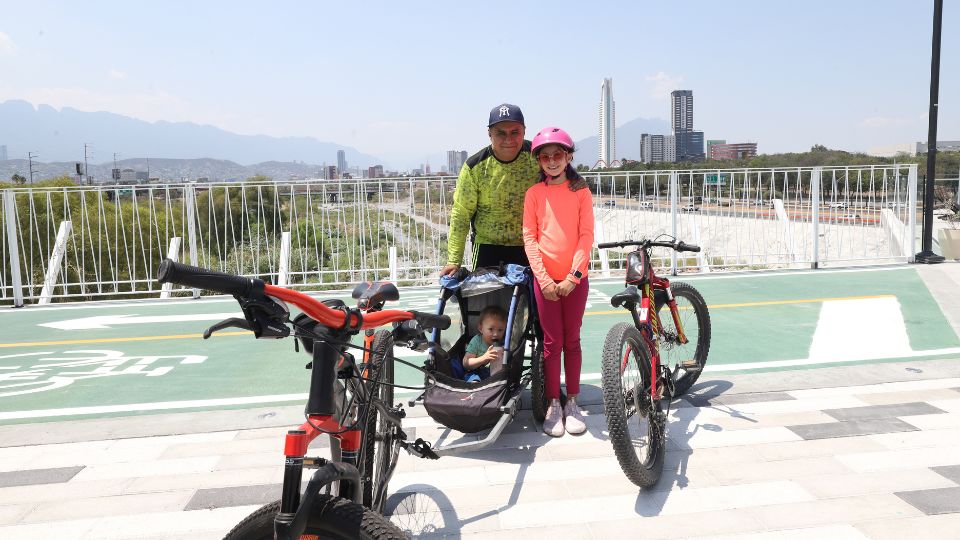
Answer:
(341, 161)
(608, 117)
(681, 109)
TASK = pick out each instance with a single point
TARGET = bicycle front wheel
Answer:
(635, 420)
(331, 517)
(685, 360)
(378, 452)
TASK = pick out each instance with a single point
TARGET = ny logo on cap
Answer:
(504, 111)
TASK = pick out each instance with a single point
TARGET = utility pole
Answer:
(86, 171)
(30, 156)
(926, 254)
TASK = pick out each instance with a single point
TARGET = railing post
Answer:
(173, 253)
(10, 216)
(53, 269)
(815, 214)
(674, 194)
(599, 238)
(912, 212)
(283, 274)
(393, 264)
(189, 198)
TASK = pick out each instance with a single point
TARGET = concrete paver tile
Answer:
(789, 469)
(72, 490)
(820, 447)
(542, 533)
(202, 480)
(933, 501)
(196, 524)
(843, 510)
(951, 472)
(153, 468)
(919, 439)
(223, 448)
(13, 513)
(934, 421)
(906, 396)
(109, 506)
(828, 486)
(851, 428)
(733, 521)
(883, 411)
(38, 476)
(944, 526)
(879, 388)
(74, 528)
(902, 459)
(830, 532)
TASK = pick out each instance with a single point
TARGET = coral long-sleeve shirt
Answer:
(557, 231)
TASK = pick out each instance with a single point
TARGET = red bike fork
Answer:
(295, 450)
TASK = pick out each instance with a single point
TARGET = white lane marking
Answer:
(106, 321)
(860, 329)
(161, 406)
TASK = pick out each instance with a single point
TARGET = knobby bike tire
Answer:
(672, 353)
(378, 435)
(624, 341)
(538, 397)
(332, 517)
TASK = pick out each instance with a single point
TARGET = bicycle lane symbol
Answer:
(46, 371)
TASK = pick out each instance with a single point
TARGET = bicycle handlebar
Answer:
(678, 245)
(202, 278)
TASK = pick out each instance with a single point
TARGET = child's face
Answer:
(553, 159)
(492, 329)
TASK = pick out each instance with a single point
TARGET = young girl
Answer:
(558, 239)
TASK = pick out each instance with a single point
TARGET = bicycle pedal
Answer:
(690, 366)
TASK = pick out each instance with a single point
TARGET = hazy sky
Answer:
(409, 80)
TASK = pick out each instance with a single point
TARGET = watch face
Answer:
(577, 274)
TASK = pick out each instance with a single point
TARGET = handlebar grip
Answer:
(607, 245)
(201, 278)
(430, 320)
(687, 247)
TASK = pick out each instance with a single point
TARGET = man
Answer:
(489, 195)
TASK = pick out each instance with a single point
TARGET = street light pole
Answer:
(30, 157)
(86, 171)
(926, 255)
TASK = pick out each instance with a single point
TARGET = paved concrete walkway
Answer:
(856, 451)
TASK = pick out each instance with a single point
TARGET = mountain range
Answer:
(186, 150)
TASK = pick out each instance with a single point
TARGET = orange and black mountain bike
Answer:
(651, 360)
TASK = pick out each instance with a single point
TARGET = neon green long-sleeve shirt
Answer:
(489, 196)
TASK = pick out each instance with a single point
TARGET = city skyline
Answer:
(856, 90)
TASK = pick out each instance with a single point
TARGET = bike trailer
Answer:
(491, 403)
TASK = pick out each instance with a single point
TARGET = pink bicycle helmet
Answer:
(551, 135)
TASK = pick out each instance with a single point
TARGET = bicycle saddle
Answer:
(373, 294)
(630, 294)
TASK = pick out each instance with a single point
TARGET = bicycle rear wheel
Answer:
(635, 421)
(332, 517)
(685, 360)
(379, 452)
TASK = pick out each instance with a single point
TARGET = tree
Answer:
(18, 179)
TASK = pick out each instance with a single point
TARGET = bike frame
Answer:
(647, 321)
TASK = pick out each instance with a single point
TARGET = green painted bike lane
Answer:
(144, 357)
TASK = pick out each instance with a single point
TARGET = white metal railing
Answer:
(107, 241)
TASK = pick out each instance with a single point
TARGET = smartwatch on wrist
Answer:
(577, 274)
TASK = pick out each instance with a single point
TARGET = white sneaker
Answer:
(573, 418)
(553, 421)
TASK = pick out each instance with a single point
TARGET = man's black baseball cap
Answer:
(505, 112)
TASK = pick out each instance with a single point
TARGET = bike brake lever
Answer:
(232, 321)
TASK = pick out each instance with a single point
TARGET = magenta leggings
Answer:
(561, 322)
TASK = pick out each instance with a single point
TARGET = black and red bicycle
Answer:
(349, 401)
(652, 360)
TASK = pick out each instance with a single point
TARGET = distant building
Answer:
(3, 152)
(455, 161)
(670, 148)
(681, 110)
(330, 172)
(689, 145)
(651, 148)
(942, 146)
(712, 142)
(341, 160)
(608, 121)
(375, 172)
(733, 151)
